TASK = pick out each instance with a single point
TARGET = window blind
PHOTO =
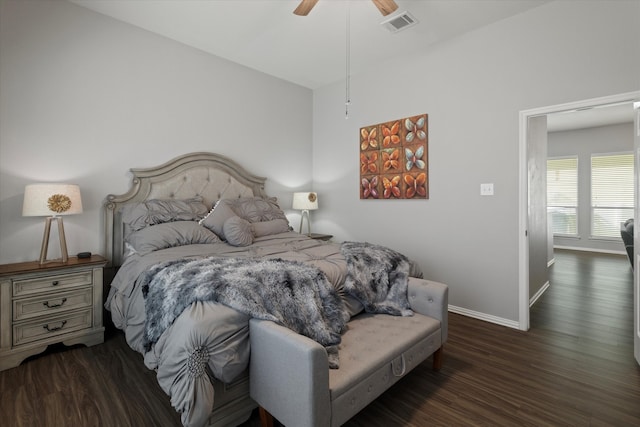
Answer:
(612, 193)
(562, 195)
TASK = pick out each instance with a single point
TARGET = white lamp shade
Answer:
(51, 200)
(305, 201)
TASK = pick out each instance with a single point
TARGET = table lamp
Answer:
(52, 201)
(305, 201)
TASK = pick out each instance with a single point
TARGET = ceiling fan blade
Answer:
(305, 7)
(385, 6)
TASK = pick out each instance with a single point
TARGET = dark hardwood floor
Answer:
(575, 367)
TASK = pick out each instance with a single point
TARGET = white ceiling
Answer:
(310, 50)
(307, 50)
(591, 117)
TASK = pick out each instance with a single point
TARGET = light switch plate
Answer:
(486, 189)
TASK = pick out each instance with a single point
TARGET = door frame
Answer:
(636, 235)
(523, 239)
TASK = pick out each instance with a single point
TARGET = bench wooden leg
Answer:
(266, 419)
(438, 355)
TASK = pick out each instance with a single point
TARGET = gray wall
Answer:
(584, 142)
(473, 88)
(86, 97)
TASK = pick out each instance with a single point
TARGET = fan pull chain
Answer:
(348, 62)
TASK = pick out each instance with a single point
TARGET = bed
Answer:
(191, 210)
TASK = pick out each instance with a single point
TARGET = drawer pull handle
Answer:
(403, 366)
(55, 283)
(57, 328)
(46, 303)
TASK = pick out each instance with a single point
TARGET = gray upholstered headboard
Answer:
(208, 175)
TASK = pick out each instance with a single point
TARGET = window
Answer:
(562, 195)
(612, 195)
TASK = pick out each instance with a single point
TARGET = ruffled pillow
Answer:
(251, 209)
(157, 211)
(169, 235)
(256, 209)
(238, 232)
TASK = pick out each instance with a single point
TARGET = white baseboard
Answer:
(603, 251)
(486, 317)
(538, 294)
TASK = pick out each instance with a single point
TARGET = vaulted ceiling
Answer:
(310, 50)
(307, 50)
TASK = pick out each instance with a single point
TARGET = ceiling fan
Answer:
(384, 6)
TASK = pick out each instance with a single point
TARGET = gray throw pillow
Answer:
(169, 235)
(267, 228)
(157, 211)
(251, 209)
(238, 232)
(217, 217)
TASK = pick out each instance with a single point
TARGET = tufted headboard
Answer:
(208, 175)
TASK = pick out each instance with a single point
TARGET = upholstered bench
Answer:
(290, 377)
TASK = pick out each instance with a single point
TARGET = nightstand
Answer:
(318, 236)
(47, 304)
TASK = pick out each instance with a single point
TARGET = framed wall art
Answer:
(394, 161)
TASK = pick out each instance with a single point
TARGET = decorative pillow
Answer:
(352, 307)
(156, 211)
(238, 231)
(256, 209)
(267, 228)
(215, 220)
(252, 209)
(169, 235)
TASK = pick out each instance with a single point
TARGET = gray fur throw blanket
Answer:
(378, 277)
(292, 294)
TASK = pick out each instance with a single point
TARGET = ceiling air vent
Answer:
(399, 22)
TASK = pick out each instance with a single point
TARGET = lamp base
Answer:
(305, 212)
(45, 241)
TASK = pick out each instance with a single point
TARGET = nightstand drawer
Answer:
(27, 308)
(50, 303)
(52, 283)
(56, 325)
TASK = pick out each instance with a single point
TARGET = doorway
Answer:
(527, 139)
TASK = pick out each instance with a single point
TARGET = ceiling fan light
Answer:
(385, 6)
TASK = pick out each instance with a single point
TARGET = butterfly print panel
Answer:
(394, 159)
